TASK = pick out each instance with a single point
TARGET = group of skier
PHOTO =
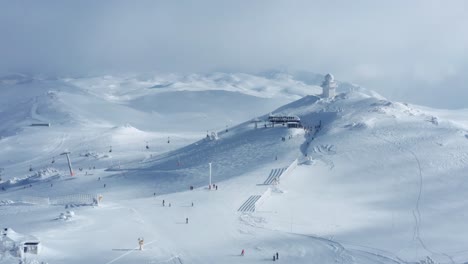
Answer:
(275, 256)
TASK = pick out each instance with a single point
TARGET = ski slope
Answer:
(377, 182)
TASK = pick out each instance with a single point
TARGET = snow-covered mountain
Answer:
(377, 181)
(95, 113)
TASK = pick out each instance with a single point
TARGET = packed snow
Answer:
(366, 180)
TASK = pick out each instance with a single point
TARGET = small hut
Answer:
(18, 244)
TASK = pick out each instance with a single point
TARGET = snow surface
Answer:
(379, 182)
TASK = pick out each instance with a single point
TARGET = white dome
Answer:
(329, 77)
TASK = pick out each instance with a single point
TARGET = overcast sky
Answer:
(412, 51)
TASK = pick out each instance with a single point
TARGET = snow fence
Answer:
(249, 205)
(276, 174)
(75, 199)
(72, 199)
(255, 201)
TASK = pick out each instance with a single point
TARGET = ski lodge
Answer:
(286, 120)
(18, 244)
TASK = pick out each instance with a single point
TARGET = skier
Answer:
(186, 220)
(242, 252)
(274, 257)
(169, 204)
(192, 204)
(164, 203)
(277, 255)
(104, 185)
(216, 187)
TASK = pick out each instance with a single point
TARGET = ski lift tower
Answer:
(210, 174)
(69, 162)
(256, 121)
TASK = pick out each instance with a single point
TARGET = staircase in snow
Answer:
(249, 205)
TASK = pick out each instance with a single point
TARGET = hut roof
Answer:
(17, 237)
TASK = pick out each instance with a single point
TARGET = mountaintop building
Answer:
(329, 86)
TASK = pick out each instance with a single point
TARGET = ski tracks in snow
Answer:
(129, 252)
(139, 219)
(416, 211)
(59, 147)
(342, 254)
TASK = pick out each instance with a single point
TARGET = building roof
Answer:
(17, 237)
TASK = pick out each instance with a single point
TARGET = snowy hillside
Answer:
(89, 115)
(377, 181)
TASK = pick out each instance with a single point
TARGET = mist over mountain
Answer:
(412, 52)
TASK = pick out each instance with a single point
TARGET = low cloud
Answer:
(394, 47)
